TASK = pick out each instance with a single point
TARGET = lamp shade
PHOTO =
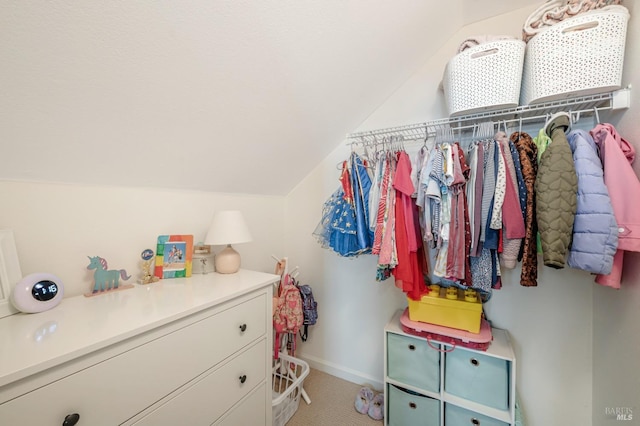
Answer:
(228, 227)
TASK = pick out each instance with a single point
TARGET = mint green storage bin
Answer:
(457, 416)
(413, 362)
(410, 409)
(476, 377)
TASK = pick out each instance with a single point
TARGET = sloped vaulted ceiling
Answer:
(243, 96)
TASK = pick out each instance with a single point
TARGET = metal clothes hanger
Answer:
(476, 135)
(450, 135)
(482, 131)
(519, 130)
(426, 136)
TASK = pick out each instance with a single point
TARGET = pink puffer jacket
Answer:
(617, 155)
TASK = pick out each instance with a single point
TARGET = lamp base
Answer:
(227, 261)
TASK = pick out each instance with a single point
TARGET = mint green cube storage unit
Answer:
(430, 383)
(408, 408)
(478, 378)
(413, 362)
(458, 416)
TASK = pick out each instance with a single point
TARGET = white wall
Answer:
(551, 325)
(57, 226)
(616, 317)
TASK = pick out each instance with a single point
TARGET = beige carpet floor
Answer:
(332, 403)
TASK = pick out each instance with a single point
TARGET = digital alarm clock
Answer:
(37, 292)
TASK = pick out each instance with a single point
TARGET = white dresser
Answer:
(191, 351)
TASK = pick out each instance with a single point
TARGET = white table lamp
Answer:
(227, 227)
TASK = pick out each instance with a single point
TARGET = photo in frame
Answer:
(174, 254)
(10, 272)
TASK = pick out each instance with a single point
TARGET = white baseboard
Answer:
(342, 372)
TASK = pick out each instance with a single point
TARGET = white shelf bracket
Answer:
(621, 99)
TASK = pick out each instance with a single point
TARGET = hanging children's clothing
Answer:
(500, 189)
(459, 229)
(542, 141)
(479, 210)
(410, 270)
(422, 201)
(529, 162)
(374, 193)
(617, 155)
(556, 188)
(385, 233)
(343, 227)
(513, 221)
(488, 187)
(595, 231)
(484, 263)
(521, 188)
(471, 189)
(433, 191)
(361, 184)
(442, 176)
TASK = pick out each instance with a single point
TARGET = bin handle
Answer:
(441, 350)
(581, 27)
(488, 52)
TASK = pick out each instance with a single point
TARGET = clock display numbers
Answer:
(44, 290)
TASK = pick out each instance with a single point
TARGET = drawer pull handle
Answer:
(413, 405)
(243, 328)
(243, 378)
(412, 347)
(475, 421)
(71, 419)
(474, 362)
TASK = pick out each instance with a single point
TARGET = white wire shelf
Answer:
(577, 107)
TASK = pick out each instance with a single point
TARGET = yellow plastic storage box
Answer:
(449, 307)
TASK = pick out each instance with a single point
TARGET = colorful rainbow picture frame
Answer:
(174, 256)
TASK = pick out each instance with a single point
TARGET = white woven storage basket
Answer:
(579, 56)
(484, 78)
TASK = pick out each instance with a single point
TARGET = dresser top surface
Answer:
(30, 343)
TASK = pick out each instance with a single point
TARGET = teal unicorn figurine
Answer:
(104, 278)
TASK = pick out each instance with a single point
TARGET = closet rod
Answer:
(577, 107)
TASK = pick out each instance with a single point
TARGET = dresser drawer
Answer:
(251, 411)
(112, 391)
(413, 362)
(457, 416)
(204, 401)
(479, 378)
(409, 408)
